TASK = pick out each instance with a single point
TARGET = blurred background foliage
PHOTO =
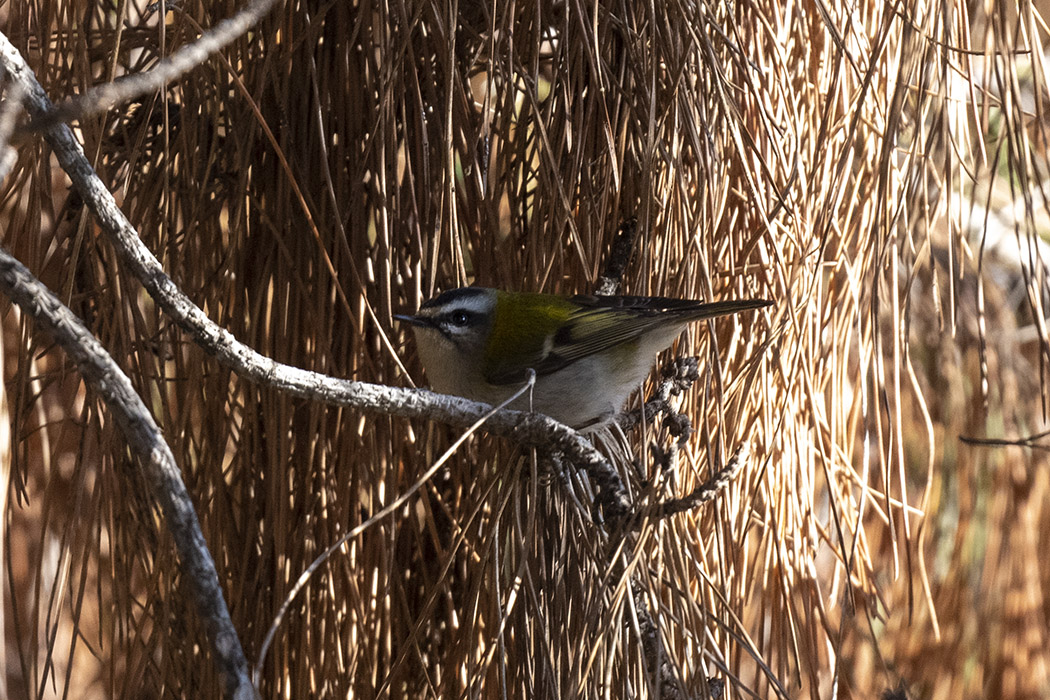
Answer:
(878, 169)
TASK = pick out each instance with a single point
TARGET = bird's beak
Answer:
(421, 321)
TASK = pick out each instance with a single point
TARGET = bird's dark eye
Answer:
(459, 318)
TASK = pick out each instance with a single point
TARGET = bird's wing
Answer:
(593, 330)
(587, 330)
(600, 323)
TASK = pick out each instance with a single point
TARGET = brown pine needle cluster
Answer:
(802, 519)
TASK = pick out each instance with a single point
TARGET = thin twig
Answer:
(1031, 441)
(677, 377)
(619, 256)
(706, 491)
(131, 87)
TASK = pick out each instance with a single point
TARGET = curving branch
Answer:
(106, 378)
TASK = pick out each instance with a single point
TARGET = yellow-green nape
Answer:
(523, 326)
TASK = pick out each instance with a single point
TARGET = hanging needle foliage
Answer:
(878, 170)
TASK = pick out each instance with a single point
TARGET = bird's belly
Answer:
(589, 390)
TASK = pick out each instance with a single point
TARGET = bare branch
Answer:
(154, 456)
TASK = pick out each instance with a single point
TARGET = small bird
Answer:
(589, 352)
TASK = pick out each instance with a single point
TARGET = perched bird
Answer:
(589, 352)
